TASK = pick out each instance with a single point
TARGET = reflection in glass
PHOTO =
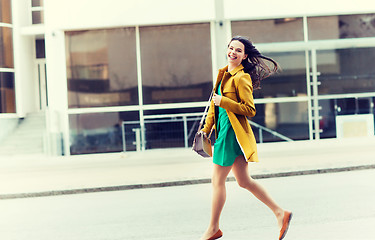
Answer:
(101, 132)
(330, 108)
(176, 63)
(289, 119)
(101, 68)
(5, 11)
(7, 93)
(6, 47)
(268, 31)
(290, 81)
(339, 27)
(346, 70)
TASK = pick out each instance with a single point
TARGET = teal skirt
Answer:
(226, 147)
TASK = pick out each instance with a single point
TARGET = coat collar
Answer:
(234, 71)
(223, 71)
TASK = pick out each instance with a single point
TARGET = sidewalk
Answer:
(33, 176)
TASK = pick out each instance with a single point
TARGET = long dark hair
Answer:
(254, 64)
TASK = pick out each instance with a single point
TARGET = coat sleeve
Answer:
(244, 90)
(209, 123)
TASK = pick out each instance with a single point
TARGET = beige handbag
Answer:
(202, 143)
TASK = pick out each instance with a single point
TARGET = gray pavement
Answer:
(33, 176)
(338, 206)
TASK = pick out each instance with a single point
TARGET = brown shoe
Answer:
(217, 235)
(286, 222)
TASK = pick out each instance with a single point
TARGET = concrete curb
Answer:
(178, 183)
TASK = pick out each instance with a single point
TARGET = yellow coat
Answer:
(237, 99)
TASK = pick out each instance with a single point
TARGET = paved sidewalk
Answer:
(33, 176)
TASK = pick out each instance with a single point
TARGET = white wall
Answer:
(82, 14)
(24, 55)
(277, 8)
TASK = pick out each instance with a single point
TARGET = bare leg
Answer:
(218, 198)
(244, 180)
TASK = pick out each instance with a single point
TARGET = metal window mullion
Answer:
(9, 25)
(308, 86)
(7, 70)
(315, 94)
(37, 9)
(213, 51)
(346, 95)
(140, 86)
(305, 29)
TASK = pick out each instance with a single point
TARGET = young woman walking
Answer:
(235, 144)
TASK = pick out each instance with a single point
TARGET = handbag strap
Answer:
(205, 112)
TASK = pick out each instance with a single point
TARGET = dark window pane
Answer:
(101, 132)
(272, 30)
(6, 47)
(346, 70)
(339, 27)
(176, 63)
(102, 68)
(290, 81)
(5, 11)
(37, 17)
(7, 93)
(288, 119)
(40, 48)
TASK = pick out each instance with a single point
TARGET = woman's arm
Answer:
(244, 91)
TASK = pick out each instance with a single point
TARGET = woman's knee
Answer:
(220, 174)
(246, 183)
(218, 181)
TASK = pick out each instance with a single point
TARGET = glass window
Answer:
(5, 11)
(290, 81)
(339, 27)
(6, 47)
(176, 63)
(37, 17)
(272, 30)
(289, 119)
(101, 132)
(40, 48)
(37, 3)
(330, 108)
(102, 68)
(7, 93)
(170, 131)
(346, 70)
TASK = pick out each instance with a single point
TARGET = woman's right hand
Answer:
(204, 133)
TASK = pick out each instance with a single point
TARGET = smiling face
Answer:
(235, 54)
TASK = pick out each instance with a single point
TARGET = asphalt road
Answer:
(325, 206)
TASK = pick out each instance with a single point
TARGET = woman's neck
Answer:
(231, 67)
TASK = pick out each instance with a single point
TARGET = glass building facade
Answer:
(145, 86)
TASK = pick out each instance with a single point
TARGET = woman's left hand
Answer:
(217, 99)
